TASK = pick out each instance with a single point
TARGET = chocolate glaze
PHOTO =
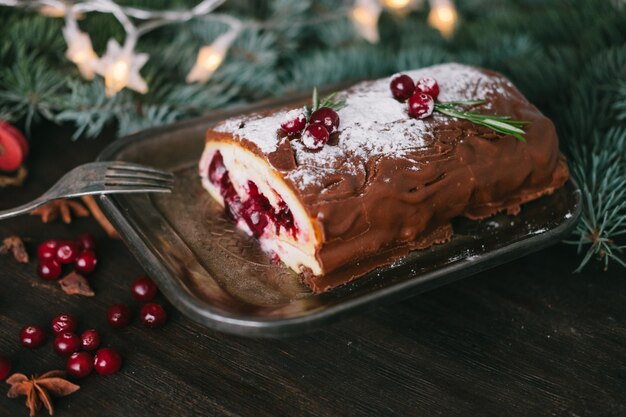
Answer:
(397, 201)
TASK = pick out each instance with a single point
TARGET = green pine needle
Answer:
(500, 124)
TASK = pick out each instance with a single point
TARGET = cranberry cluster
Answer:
(421, 95)
(68, 344)
(322, 123)
(150, 315)
(53, 254)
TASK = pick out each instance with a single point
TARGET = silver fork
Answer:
(100, 178)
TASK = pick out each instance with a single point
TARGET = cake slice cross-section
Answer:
(384, 183)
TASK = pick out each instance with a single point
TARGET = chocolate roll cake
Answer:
(384, 183)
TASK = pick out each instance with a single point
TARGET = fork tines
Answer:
(135, 178)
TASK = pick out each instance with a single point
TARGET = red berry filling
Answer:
(256, 211)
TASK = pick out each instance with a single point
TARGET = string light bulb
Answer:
(365, 14)
(120, 68)
(443, 17)
(398, 5)
(210, 57)
(79, 49)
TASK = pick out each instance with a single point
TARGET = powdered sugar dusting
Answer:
(373, 123)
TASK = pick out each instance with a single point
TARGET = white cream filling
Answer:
(244, 166)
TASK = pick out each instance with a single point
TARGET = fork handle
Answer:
(23, 209)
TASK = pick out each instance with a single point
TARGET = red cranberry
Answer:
(47, 250)
(327, 117)
(294, 123)
(315, 136)
(90, 339)
(86, 262)
(80, 364)
(107, 361)
(402, 87)
(421, 105)
(5, 367)
(66, 343)
(428, 85)
(144, 289)
(32, 336)
(86, 242)
(67, 252)
(153, 315)
(49, 269)
(63, 323)
(118, 316)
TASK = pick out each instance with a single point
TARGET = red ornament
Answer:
(13, 147)
(428, 85)
(107, 361)
(421, 105)
(80, 364)
(315, 136)
(327, 117)
(402, 87)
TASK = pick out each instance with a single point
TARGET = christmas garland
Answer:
(567, 56)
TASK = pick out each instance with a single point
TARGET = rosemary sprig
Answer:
(328, 101)
(500, 124)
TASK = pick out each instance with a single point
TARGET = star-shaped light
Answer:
(120, 69)
(210, 57)
(365, 14)
(79, 50)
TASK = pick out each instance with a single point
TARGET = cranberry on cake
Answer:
(335, 191)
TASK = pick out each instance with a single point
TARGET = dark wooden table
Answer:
(528, 338)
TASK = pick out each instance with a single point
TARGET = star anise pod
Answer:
(38, 389)
(75, 283)
(15, 245)
(65, 208)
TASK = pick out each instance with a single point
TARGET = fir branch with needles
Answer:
(501, 124)
(329, 101)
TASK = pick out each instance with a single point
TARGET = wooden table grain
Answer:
(524, 339)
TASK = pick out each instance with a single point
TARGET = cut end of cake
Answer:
(257, 199)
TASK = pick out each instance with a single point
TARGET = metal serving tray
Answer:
(219, 277)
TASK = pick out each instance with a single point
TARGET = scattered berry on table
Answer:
(49, 269)
(86, 262)
(80, 364)
(90, 339)
(153, 315)
(118, 316)
(64, 323)
(66, 343)
(144, 289)
(107, 361)
(32, 336)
